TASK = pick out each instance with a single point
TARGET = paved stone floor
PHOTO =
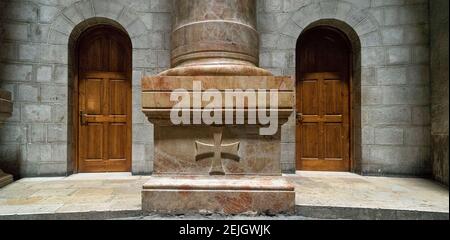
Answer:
(355, 191)
(118, 195)
(74, 194)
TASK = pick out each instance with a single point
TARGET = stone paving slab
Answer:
(318, 196)
(348, 190)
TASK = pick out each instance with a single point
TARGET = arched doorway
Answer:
(324, 61)
(102, 98)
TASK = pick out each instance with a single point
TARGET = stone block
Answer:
(52, 169)
(221, 195)
(16, 31)
(56, 133)
(389, 136)
(85, 8)
(416, 34)
(418, 136)
(368, 135)
(61, 74)
(161, 22)
(288, 151)
(59, 113)
(29, 52)
(107, 8)
(368, 77)
(37, 152)
(257, 155)
(142, 133)
(54, 54)
(39, 32)
(52, 93)
(372, 56)
(44, 74)
(371, 96)
(406, 95)
(35, 113)
(28, 93)
(59, 153)
(160, 6)
(12, 134)
(390, 115)
(37, 133)
(418, 75)
(391, 76)
(16, 72)
(73, 14)
(421, 115)
(21, 11)
(47, 13)
(399, 55)
(138, 154)
(273, 6)
(421, 55)
(393, 35)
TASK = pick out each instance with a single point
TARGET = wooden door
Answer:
(323, 101)
(104, 101)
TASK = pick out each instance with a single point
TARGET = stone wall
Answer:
(392, 75)
(34, 66)
(393, 64)
(439, 85)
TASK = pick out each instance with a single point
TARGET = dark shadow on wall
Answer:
(439, 11)
(9, 153)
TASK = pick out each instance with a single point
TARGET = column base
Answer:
(227, 195)
(5, 179)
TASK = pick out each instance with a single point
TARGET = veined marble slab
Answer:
(218, 194)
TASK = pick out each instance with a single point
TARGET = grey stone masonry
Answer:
(34, 66)
(391, 41)
(439, 87)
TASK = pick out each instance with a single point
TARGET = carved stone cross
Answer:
(217, 151)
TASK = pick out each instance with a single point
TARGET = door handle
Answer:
(83, 118)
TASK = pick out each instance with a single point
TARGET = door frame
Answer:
(351, 99)
(74, 101)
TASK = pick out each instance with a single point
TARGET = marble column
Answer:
(225, 168)
(5, 112)
(212, 37)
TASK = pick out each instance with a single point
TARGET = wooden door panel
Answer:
(117, 143)
(104, 101)
(323, 128)
(310, 96)
(94, 144)
(333, 141)
(118, 91)
(323, 100)
(310, 140)
(93, 96)
(333, 97)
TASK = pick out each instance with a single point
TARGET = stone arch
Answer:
(74, 19)
(72, 127)
(150, 55)
(343, 15)
(355, 84)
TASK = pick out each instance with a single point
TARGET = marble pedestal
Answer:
(227, 169)
(218, 194)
